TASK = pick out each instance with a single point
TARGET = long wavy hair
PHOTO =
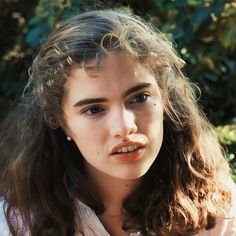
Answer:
(41, 173)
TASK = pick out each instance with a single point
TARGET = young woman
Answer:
(108, 140)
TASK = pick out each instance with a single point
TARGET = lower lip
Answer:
(128, 157)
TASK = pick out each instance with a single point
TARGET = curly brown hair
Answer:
(40, 177)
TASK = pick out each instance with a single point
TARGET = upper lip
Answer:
(126, 144)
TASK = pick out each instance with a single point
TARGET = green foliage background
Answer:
(203, 32)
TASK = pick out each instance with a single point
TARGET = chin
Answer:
(130, 175)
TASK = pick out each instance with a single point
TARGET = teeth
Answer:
(127, 149)
(131, 148)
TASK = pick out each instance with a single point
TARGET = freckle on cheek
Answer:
(98, 153)
(152, 103)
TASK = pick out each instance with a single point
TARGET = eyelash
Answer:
(89, 112)
(144, 95)
(96, 109)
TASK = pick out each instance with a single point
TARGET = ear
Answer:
(66, 130)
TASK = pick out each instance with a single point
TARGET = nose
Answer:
(122, 123)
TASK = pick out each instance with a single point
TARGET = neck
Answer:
(113, 191)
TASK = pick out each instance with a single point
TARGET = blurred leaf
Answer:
(227, 34)
(218, 6)
(227, 134)
(229, 157)
(75, 2)
(210, 75)
(200, 14)
(159, 2)
(35, 20)
(177, 33)
(194, 3)
(231, 64)
(180, 3)
(188, 32)
(36, 34)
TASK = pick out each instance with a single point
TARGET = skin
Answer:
(123, 116)
(97, 128)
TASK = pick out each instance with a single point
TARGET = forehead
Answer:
(111, 64)
(115, 72)
(117, 62)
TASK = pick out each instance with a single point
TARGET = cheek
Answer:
(81, 129)
(89, 149)
(151, 124)
(88, 137)
(151, 118)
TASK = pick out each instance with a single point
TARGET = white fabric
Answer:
(4, 231)
(91, 225)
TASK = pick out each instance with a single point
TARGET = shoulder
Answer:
(226, 225)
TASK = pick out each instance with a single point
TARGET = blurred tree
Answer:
(15, 55)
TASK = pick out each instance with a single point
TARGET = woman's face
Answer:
(114, 114)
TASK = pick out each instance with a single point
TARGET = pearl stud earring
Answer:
(68, 138)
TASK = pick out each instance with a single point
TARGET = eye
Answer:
(141, 98)
(93, 110)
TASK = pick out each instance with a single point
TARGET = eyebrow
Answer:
(131, 90)
(136, 88)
